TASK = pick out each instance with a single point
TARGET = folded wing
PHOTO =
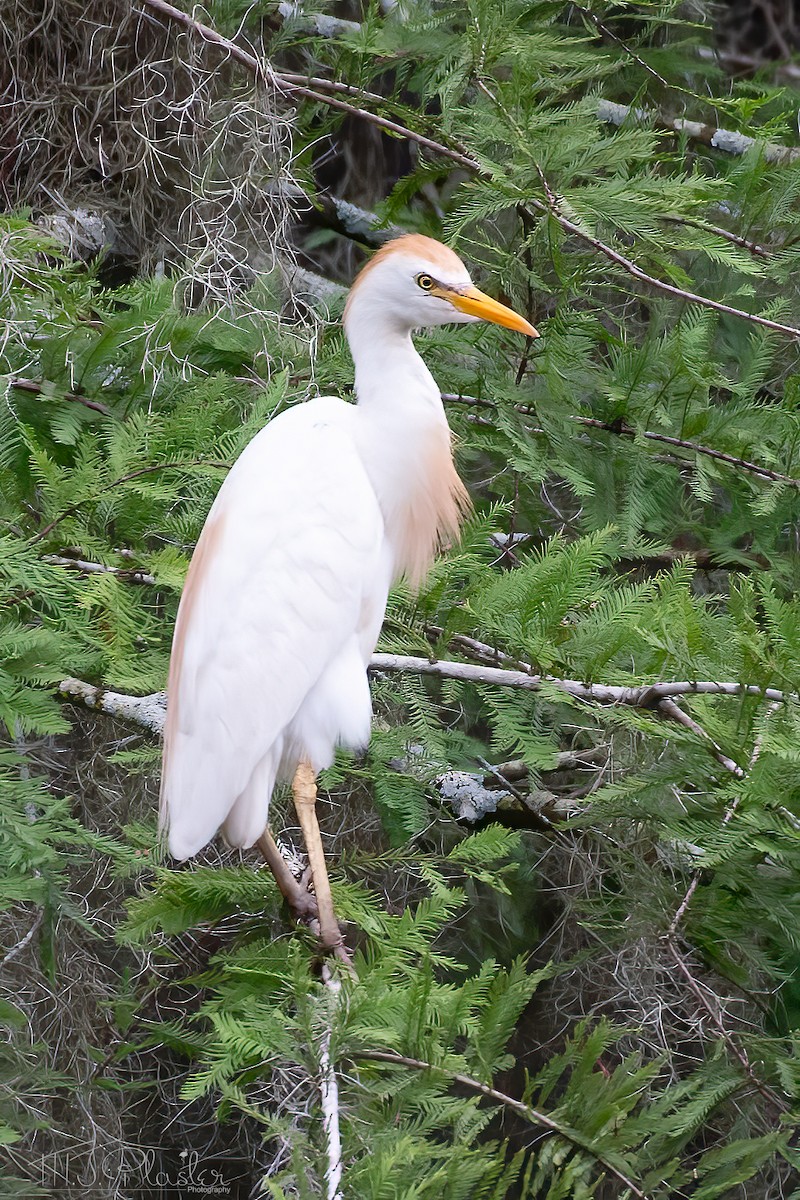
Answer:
(289, 567)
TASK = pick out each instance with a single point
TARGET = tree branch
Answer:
(670, 709)
(329, 1094)
(726, 140)
(647, 695)
(149, 711)
(731, 459)
(621, 430)
(41, 389)
(525, 1110)
(130, 574)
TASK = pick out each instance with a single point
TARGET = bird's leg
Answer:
(295, 893)
(304, 791)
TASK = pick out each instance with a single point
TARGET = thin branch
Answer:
(329, 1093)
(624, 47)
(731, 459)
(41, 389)
(738, 773)
(525, 1110)
(670, 709)
(652, 281)
(734, 238)
(141, 471)
(129, 574)
(714, 1009)
(622, 430)
(24, 941)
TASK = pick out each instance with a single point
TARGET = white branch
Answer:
(726, 140)
(147, 711)
(645, 695)
(329, 1094)
(315, 22)
(132, 574)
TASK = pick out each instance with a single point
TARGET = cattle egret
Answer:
(286, 592)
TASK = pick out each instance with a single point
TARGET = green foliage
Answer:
(605, 993)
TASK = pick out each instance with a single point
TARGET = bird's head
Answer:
(413, 282)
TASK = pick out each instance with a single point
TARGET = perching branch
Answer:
(329, 1094)
(149, 711)
(524, 1110)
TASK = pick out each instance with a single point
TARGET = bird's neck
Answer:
(406, 448)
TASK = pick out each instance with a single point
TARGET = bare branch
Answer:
(525, 1110)
(329, 1094)
(147, 711)
(42, 389)
(130, 574)
(726, 140)
(647, 695)
(713, 1010)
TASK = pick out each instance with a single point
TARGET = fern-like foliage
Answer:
(601, 1000)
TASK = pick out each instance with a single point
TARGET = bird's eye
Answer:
(425, 282)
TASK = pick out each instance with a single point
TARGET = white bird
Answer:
(286, 592)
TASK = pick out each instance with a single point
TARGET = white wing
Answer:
(285, 593)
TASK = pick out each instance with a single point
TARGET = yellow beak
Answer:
(477, 304)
